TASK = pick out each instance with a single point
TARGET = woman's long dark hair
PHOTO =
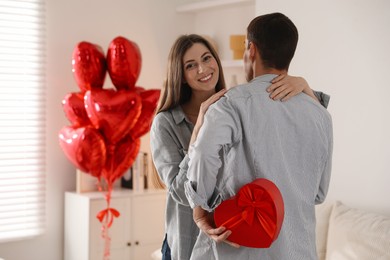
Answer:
(175, 91)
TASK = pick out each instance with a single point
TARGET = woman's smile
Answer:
(206, 79)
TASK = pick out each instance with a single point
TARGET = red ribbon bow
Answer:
(255, 204)
(110, 213)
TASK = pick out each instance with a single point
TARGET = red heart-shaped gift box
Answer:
(255, 215)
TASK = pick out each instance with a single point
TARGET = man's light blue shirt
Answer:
(245, 136)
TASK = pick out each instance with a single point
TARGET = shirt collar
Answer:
(264, 78)
(178, 114)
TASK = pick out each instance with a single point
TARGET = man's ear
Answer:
(252, 51)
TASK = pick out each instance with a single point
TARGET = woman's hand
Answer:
(285, 86)
(202, 111)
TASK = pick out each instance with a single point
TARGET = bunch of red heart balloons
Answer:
(106, 124)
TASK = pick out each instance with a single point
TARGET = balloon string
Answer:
(106, 217)
(108, 224)
(99, 184)
(107, 239)
(111, 152)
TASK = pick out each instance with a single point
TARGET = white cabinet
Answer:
(135, 234)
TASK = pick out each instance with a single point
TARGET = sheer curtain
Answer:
(22, 118)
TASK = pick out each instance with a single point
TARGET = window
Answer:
(22, 119)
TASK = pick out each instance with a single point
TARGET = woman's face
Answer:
(201, 70)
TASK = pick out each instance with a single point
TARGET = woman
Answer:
(194, 81)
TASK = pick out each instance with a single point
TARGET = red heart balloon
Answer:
(255, 215)
(123, 62)
(113, 112)
(85, 148)
(121, 158)
(149, 104)
(73, 105)
(89, 66)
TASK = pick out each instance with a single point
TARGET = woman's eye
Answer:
(190, 66)
(207, 58)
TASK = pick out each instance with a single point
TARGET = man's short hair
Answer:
(276, 38)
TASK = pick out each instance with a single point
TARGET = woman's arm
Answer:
(202, 111)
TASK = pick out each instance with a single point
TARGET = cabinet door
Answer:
(115, 254)
(145, 252)
(119, 232)
(148, 228)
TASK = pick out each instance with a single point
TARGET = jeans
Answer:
(165, 250)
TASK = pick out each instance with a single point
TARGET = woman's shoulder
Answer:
(171, 116)
(162, 118)
(166, 118)
(166, 122)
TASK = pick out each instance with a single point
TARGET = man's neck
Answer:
(263, 71)
(259, 69)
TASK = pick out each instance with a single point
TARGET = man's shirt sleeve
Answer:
(220, 128)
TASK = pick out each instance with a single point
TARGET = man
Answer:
(246, 135)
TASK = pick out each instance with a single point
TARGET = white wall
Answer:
(344, 51)
(220, 23)
(152, 24)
